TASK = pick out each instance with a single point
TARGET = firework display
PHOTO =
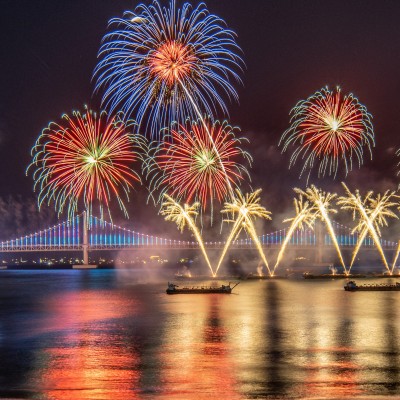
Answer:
(87, 158)
(172, 68)
(199, 164)
(167, 64)
(327, 130)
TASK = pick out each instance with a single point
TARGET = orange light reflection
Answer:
(89, 362)
(207, 371)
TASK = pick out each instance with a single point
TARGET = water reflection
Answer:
(92, 358)
(331, 369)
(275, 354)
(303, 340)
(198, 361)
(94, 336)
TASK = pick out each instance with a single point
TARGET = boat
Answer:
(351, 286)
(308, 275)
(224, 289)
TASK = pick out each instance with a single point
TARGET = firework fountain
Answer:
(305, 215)
(182, 216)
(247, 207)
(322, 202)
(354, 203)
(378, 209)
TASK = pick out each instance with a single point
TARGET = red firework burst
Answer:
(89, 158)
(200, 162)
(328, 128)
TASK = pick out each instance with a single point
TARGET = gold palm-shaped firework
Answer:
(246, 206)
(322, 201)
(243, 211)
(183, 216)
(380, 208)
(305, 216)
(176, 213)
(372, 213)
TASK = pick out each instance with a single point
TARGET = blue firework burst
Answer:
(166, 64)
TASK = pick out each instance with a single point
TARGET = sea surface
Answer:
(116, 334)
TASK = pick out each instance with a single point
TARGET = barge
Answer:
(351, 286)
(224, 289)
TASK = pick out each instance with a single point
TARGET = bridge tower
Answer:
(85, 244)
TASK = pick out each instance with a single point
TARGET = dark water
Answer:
(103, 334)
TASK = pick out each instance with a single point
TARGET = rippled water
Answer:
(102, 335)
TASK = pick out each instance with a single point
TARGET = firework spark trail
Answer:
(364, 230)
(378, 210)
(322, 201)
(398, 164)
(190, 169)
(305, 214)
(354, 203)
(88, 158)
(247, 207)
(327, 128)
(251, 230)
(237, 227)
(182, 216)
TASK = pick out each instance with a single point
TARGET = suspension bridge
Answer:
(91, 234)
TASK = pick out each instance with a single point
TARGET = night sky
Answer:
(291, 49)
